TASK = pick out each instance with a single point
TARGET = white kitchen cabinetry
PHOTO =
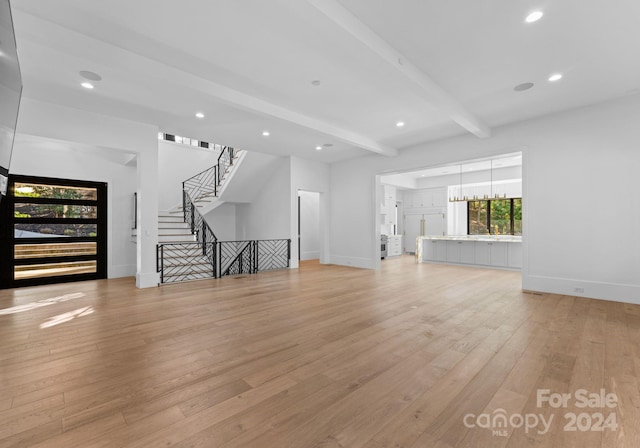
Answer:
(514, 256)
(482, 253)
(388, 221)
(394, 245)
(453, 251)
(436, 250)
(499, 254)
(473, 251)
(426, 198)
(491, 253)
(461, 252)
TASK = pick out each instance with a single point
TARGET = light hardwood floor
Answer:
(323, 356)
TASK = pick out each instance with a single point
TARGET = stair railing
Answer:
(207, 183)
(252, 256)
(226, 257)
(198, 225)
(225, 160)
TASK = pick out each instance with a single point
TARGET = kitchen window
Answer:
(495, 217)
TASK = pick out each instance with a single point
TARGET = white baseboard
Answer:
(310, 255)
(582, 288)
(147, 280)
(355, 262)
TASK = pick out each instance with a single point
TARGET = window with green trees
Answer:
(495, 217)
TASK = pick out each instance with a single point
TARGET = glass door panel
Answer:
(56, 232)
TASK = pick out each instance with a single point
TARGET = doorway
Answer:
(55, 231)
(309, 240)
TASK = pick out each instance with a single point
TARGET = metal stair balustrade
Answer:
(206, 257)
(225, 160)
(203, 185)
(206, 185)
(272, 254)
(196, 221)
(236, 257)
(179, 262)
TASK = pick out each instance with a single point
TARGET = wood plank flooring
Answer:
(413, 356)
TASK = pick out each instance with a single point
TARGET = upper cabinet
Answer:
(425, 198)
(388, 210)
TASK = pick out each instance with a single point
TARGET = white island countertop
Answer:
(492, 238)
(498, 251)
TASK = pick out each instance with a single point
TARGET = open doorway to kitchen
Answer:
(309, 240)
(470, 212)
(55, 231)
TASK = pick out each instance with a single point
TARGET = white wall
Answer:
(222, 221)
(580, 209)
(177, 163)
(309, 225)
(92, 164)
(118, 141)
(268, 215)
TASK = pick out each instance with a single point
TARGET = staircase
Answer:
(188, 249)
(173, 229)
(182, 255)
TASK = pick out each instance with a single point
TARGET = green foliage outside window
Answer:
(495, 217)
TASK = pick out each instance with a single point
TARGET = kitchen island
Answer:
(498, 251)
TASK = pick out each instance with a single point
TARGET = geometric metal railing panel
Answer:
(225, 160)
(206, 184)
(236, 257)
(272, 254)
(202, 184)
(178, 262)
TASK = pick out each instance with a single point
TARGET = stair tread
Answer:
(183, 274)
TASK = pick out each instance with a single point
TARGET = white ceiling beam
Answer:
(252, 104)
(144, 65)
(351, 24)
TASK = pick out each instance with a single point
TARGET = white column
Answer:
(147, 214)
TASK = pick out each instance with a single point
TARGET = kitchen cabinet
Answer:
(491, 253)
(487, 251)
(482, 253)
(453, 251)
(514, 256)
(467, 252)
(436, 250)
(426, 198)
(394, 245)
(388, 220)
(499, 254)
(461, 252)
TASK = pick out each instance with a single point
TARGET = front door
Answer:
(54, 230)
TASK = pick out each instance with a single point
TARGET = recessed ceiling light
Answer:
(91, 76)
(87, 85)
(534, 17)
(400, 124)
(523, 86)
(555, 77)
(318, 148)
(199, 115)
(422, 175)
(266, 133)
